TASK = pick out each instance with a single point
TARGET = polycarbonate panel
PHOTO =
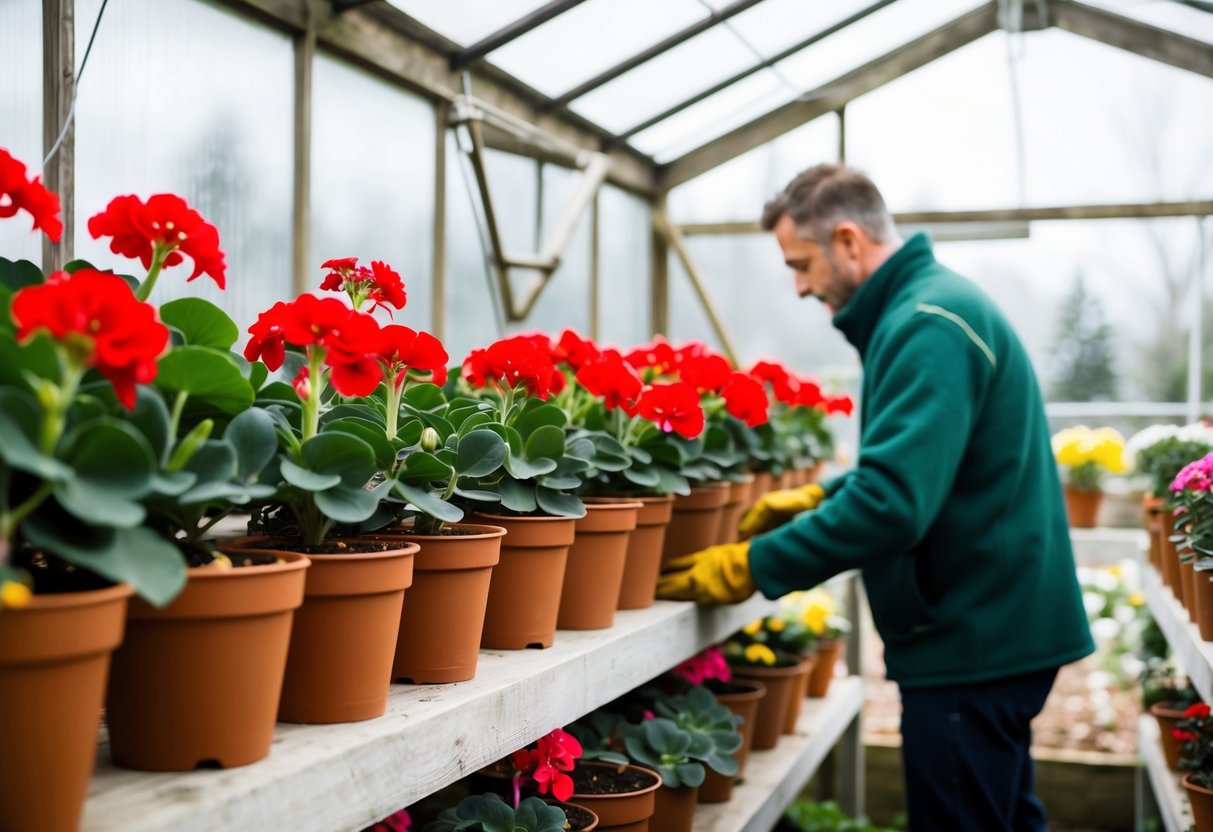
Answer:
(739, 188)
(373, 179)
(625, 241)
(467, 21)
(774, 25)
(1100, 125)
(714, 116)
(21, 112)
(592, 37)
(666, 80)
(565, 301)
(1165, 14)
(187, 98)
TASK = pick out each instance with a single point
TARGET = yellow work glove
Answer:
(778, 507)
(715, 575)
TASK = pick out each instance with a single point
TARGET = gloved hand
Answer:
(778, 507)
(715, 575)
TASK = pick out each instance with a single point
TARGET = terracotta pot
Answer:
(717, 788)
(764, 483)
(696, 521)
(197, 683)
(1082, 507)
(1167, 714)
(780, 683)
(443, 615)
(1187, 582)
(739, 501)
(1170, 566)
(674, 809)
(590, 820)
(627, 812)
(1201, 801)
(596, 562)
(54, 657)
(643, 564)
(799, 690)
(524, 595)
(1152, 511)
(339, 665)
(822, 674)
(813, 473)
(1202, 595)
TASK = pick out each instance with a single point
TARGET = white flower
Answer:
(1098, 682)
(1130, 665)
(1197, 432)
(1093, 601)
(1106, 581)
(1144, 439)
(1105, 629)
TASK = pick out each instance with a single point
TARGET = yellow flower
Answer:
(1136, 599)
(14, 594)
(815, 619)
(776, 625)
(1109, 450)
(1115, 571)
(753, 627)
(760, 654)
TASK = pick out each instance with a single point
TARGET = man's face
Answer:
(830, 274)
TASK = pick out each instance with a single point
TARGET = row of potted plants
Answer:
(648, 759)
(128, 431)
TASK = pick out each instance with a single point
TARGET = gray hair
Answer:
(827, 194)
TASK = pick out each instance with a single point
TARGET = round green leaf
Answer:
(480, 453)
(202, 323)
(207, 376)
(340, 454)
(429, 503)
(424, 396)
(251, 435)
(113, 467)
(301, 477)
(538, 416)
(371, 434)
(545, 442)
(20, 422)
(559, 504)
(517, 496)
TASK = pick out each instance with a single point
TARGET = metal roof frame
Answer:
(511, 32)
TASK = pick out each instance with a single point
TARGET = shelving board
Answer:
(1107, 545)
(774, 778)
(1168, 791)
(1194, 654)
(337, 778)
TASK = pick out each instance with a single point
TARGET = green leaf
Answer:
(301, 477)
(202, 323)
(151, 418)
(517, 496)
(521, 468)
(350, 505)
(20, 425)
(138, 556)
(346, 456)
(251, 435)
(539, 416)
(371, 434)
(429, 503)
(422, 467)
(207, 376)
(17, 274)
(559, 483)
(213, 461)
(257, 374)
(643, 477)
(354, 410)
(474, 421)
(546, 442)
(512, 437)
(424, 396)
(559, 504)
(480, 453)
(36, 358)
(113, 467)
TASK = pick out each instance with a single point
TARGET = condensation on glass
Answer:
(21, 111)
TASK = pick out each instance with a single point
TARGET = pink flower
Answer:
(709, 664)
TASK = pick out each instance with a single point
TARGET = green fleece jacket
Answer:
(954, 511)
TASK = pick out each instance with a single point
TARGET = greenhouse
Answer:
(632, 415)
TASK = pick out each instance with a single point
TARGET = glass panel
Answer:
(565, 301)
(712, 117)
(625, 240)
(775, 25)
(21, 112)
(1166, 15)
(590, 38)
(659, 84)
(1099, 126)
(370, 200)
(738, 189)
(467, 21)
(217, 132)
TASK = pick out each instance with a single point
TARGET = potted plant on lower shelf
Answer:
(778, 672)
(817, 612)
(1085, 455)
(489, 813)
(1195, 736)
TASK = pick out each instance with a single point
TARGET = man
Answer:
(954, 511)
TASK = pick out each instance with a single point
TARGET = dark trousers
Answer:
(966, 755)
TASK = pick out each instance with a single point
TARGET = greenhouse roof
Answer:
(690, 83)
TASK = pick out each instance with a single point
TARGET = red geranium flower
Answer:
(96, 317)
(746, 399)
(402, 349)
(658, 356)
(808, 393)
(673, 407)
(30, 195)
(379, 284)
(303, 384)
(575, 350)
(268, 342)
(783, 383)
(840, 404)
(548, 762)
(611, 379)
(165, 226)
(707, 371)
(1200, 709)
(1183, 736)
(513, 361)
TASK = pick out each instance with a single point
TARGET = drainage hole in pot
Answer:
(208, 765)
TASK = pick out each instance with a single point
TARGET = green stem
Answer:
(178, 409)
(394, 393)
(159, 254)
(12, 519)
(311, 405)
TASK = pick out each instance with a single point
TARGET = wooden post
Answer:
(850, 748)
(595, 267)
(301, 211)
(842, 134)
(438, 283)
(58, 84)
(678, 243)
(659, 272)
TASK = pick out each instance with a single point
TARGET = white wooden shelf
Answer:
(345, 777)
(773, 779)
(1108, 544)
(1195, 655)
(1169, 793)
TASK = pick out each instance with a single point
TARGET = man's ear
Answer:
(849, 237)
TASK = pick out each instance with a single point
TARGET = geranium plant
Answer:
(546, 765)
(707, 665)
(489, 813)
(661, 745)
(1194, 733)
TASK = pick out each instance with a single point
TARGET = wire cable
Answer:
(71, 110)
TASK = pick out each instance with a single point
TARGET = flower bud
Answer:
(430, 440)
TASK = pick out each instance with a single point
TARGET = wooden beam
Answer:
(675, 240)
(58, 82)
(832, 95)
(513, 31)
(301, 214)
(717, 17)
(1134, 36)
(758, 67)
(1196, 208)
(659, 272)
(595, 265)
(438, 281)
(384, 40)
